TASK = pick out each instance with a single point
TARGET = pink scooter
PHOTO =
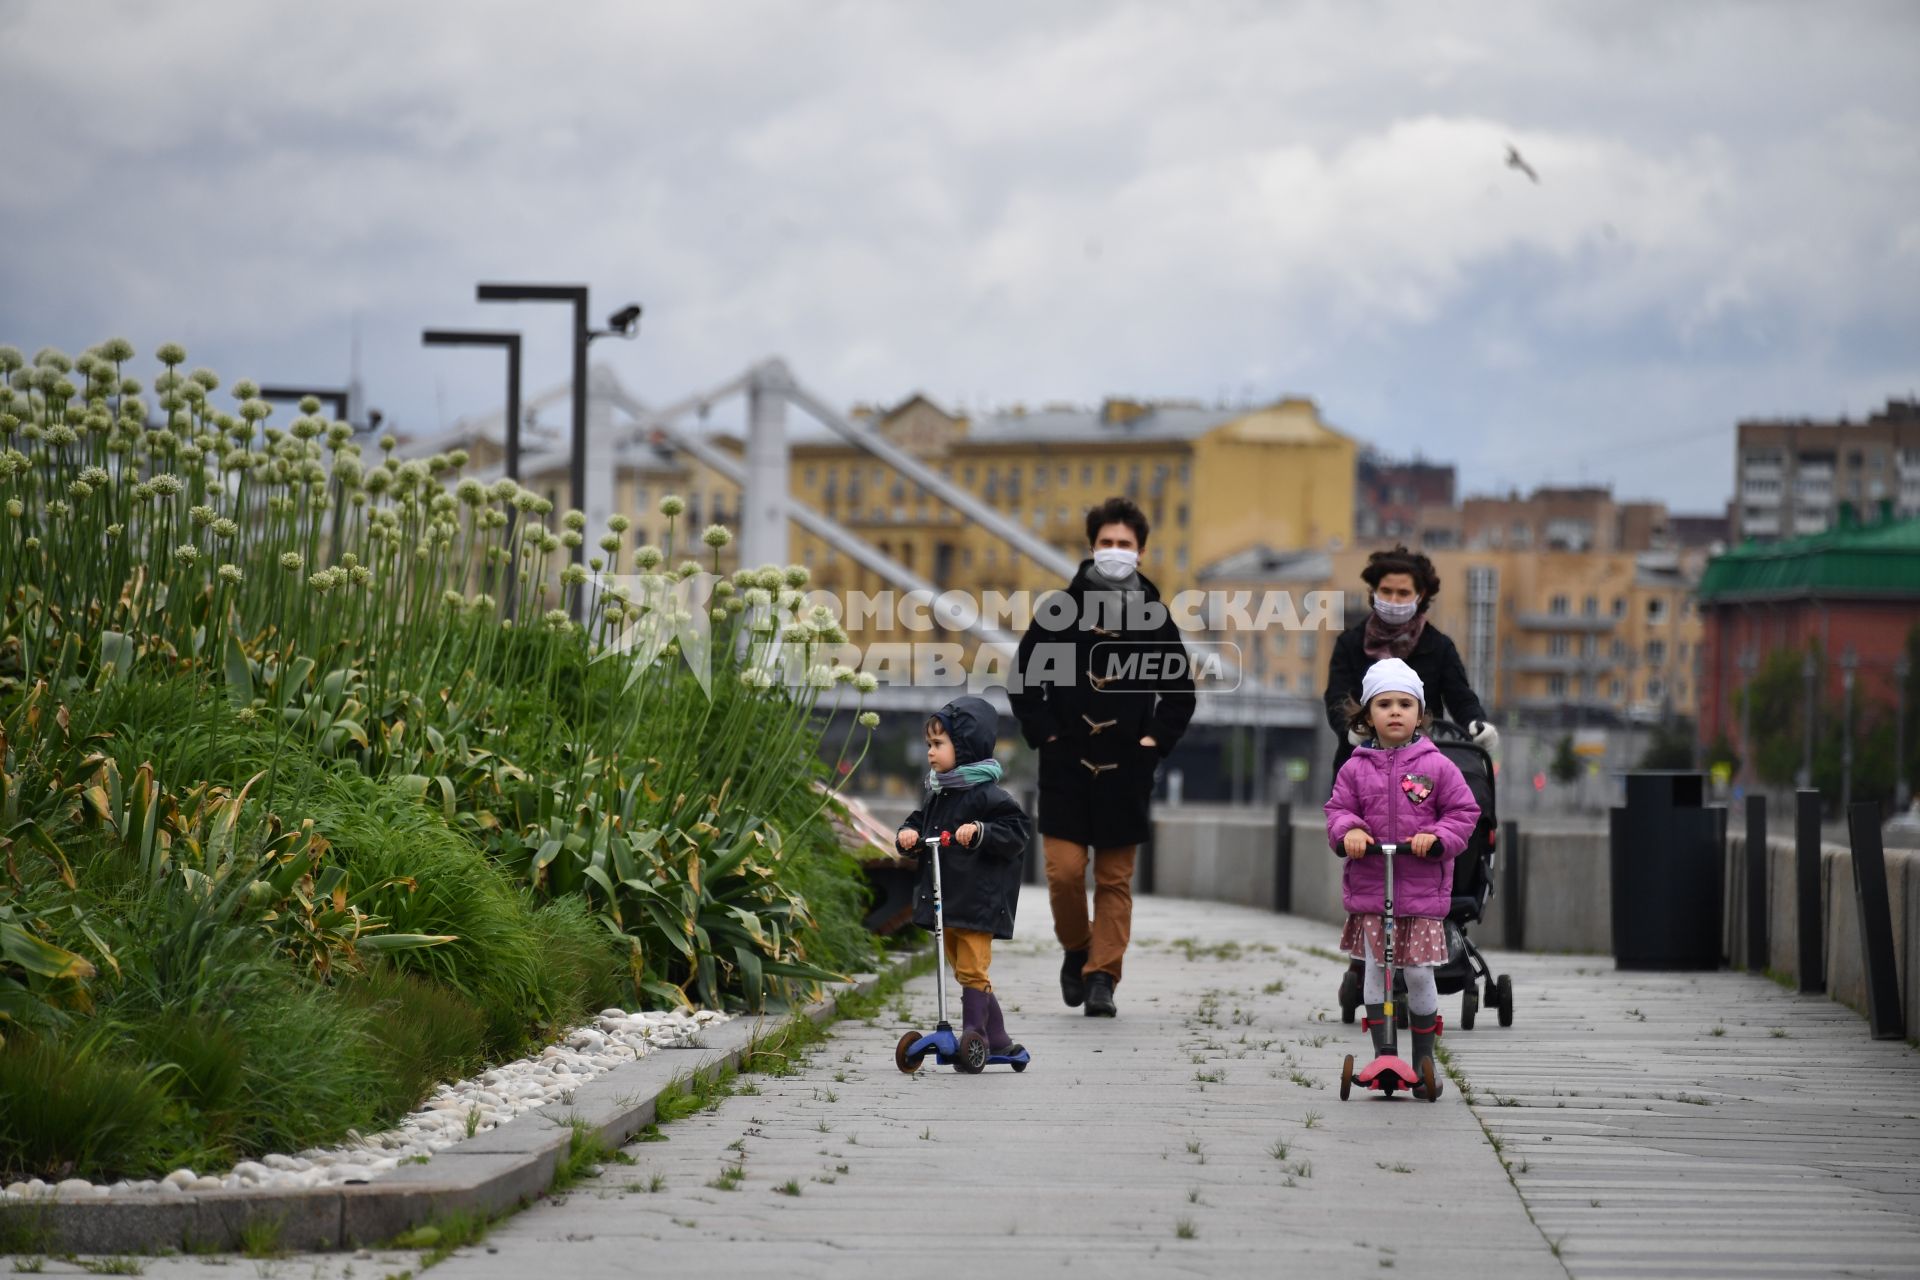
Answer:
(1389, 1071)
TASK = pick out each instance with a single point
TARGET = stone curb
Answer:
(484, 1175)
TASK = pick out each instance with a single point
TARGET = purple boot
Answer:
(973, 1011)
(998, 1041)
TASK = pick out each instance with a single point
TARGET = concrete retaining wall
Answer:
(1224, 854)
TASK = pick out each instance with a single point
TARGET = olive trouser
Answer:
(1104, 938)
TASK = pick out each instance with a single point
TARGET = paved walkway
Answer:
(1201, 1133)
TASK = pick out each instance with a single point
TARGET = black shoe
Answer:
(1073, 987)
(1100, 995)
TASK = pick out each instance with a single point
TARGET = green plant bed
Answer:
(325, 777)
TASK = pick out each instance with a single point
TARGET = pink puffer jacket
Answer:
(1394, 794)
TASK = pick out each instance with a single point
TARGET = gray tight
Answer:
(1423, 996)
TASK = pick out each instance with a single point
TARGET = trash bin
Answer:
(1668, 854)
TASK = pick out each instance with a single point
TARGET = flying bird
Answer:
(1514, 161)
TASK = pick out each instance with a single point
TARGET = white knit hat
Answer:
(1391, 675)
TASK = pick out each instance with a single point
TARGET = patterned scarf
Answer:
(967, 775)
(1386, 640)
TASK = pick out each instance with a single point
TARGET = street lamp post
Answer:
(491, 338)
(625, 322)
(335, 396)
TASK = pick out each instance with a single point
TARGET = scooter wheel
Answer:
(970, 1056)
(908, 1062)
(1429, 1082)
(1506, 1000)
(1469, 1007)
(1018, 1066)
(1346, 1078)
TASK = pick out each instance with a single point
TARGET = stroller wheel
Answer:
(907, 1062)
(971, 1057)
(1506, 1000)
(1346, 1078)
(1469, 1007)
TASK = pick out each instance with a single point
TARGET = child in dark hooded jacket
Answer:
(980, 868)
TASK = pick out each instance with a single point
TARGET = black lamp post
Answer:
(491, 338)
(336, 396)
(625, 322)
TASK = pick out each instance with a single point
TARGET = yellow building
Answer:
(1537, 631)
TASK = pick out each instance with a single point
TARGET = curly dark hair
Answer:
(1118, 510)
(1426, 579)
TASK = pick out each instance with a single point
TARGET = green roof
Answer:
(1848, 560)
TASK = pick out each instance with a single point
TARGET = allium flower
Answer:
(557, 620)
(10, 359)
(167, 486)
(458, 458)
(231, 574)
(388, 442)
(361, 575)
(575, 520)
(471, 492)
(58, 509)
(717, 536)
(609, 542)
(80, 490)
(571, 539)
(245, 389)
(452, 599)
(186, 553)
(292, 561)
(201, 515)
(619, 523)
(549, 543)
(114, 349)
(735, 605)
(866, 682)
(206, 379)
(797, 576)
(572, 576)
(869, 719)
(672, 505)
(688, 569)
(309, 404)
(255, 409)
(648, 558)
(170, 353)
(15, 508)
(115, 530)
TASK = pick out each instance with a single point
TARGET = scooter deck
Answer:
(945, 1046)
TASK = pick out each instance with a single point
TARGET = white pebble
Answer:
(78, 1189)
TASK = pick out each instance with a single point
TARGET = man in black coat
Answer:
(984, 835)
(1401, 585)
(1104, 694)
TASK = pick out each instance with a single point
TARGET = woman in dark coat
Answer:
(1401, 586)
(1104, 695)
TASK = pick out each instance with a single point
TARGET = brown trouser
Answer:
(970, 951)
(1105, 938)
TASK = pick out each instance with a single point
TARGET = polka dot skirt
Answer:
(1418, 942)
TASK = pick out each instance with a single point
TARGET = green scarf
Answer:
(978, 774)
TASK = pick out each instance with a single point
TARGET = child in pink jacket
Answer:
(1399, 789)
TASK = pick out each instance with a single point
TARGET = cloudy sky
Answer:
(1009, 202)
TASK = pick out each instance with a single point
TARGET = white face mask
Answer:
(1116, 562)
(1396, 613)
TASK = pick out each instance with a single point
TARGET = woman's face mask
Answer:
(1396, 612)
(1116, 562)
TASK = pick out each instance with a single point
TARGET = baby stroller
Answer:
(1466, 969)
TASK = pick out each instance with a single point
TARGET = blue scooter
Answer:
(967, 1052)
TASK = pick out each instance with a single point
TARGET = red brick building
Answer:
(1852, 592)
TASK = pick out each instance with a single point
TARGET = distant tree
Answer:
(1566, 765)
(1671, 746)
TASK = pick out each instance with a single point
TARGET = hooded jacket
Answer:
(1096, 780)
(980, 882)
(1394, 794)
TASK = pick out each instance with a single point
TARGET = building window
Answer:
(1590, 607)
(1619, 606)
(1613, 690)
(1309, 643)
(1306, 683)
(1589, 646)
(1656, 609)
(1656, 653)
(1557, 686)
(1279, 643)
(807, 475)
(1180, 516)
(1113, 474)
(1086, 474)
(1557, 646)
(1558, 606)
(1655, 688)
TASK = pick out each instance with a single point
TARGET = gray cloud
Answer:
(1010, 202)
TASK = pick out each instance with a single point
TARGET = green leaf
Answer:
(239, 674)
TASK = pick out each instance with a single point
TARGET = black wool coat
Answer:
(1434, 659)
(980, 882)
(1096, 780)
